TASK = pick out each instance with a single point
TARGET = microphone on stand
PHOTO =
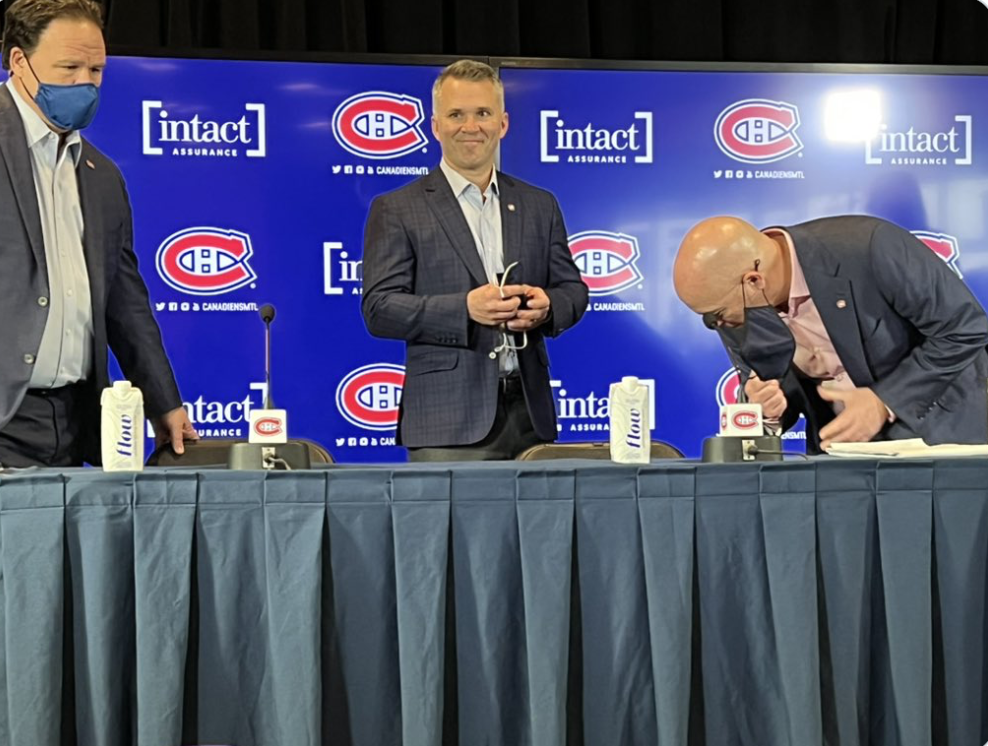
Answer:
(741, 436)
(267, 316)
(267, 446)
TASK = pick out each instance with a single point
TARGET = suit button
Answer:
(29, 359)
(42, 301)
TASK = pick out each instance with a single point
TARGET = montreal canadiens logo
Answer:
(727, 388)
(379, 125)
(745, 420)
(206, 261)
(758, 131)
(607, 261)
(944, 246)
(268, 426)
(368, 397)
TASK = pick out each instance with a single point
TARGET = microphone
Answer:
(741, 435)
(267, 445)
(267, 316)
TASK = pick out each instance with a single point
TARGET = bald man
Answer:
(850, 321)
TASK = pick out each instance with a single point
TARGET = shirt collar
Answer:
(460, 183)
(36, 129)
(799, 291)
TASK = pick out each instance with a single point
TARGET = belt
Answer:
(509, 383)
(57, 391)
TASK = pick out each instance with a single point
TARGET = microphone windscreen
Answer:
(267, 313)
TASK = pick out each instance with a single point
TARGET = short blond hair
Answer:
(472, 70)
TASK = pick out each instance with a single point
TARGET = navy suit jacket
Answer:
(122, 318)
(420, 261)
(903, 324)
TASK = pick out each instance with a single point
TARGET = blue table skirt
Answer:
(524, 604)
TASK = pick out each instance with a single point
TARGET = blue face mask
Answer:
(68, 107)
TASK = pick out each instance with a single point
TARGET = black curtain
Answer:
(865, 31)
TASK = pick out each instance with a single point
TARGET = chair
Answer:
(215, 451)
(546, 451)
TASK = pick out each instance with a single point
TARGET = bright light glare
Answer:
(853, 116)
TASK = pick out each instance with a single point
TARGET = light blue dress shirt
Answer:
(483, 214)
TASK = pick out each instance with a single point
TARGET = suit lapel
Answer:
(13, 146)
(93, 228)
(510, 226)
(834, 301)
(447, 210)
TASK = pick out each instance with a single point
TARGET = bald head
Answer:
(717, 255)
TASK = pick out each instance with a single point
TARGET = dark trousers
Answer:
(47, 429)
(511, 433)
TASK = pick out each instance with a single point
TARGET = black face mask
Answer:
(763, 341)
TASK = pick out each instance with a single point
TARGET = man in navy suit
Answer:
(435, 255)
(850, 321)
(69, 285)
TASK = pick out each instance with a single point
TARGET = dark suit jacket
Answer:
(122, 318)
(420, 261)
(902, 323)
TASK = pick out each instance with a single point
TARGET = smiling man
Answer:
(471, 268)
(69, 285)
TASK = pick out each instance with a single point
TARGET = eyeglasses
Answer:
(506, 336)
(715, 319)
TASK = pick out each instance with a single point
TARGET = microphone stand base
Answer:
(732, 449)
(257, 457)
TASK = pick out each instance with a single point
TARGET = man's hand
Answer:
(535, 312)
(174, 426)
(863, 417)
(486, 306)
(767, 393)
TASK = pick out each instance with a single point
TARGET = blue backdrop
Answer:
(251, 181)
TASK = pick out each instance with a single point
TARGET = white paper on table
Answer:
(911, 448)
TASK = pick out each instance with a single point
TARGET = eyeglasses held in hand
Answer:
(506, 341)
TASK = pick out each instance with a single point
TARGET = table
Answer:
(540, 603)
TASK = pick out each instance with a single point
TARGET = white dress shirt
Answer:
(66, 351)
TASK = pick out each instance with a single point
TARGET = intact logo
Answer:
(745, 420)
(379, 125)
(206, 261)
(369, 396)
(268, 426)
(200, 136)
(727, 388)
(757, 130)
(607, 261)
(950, 144)
(944, 246)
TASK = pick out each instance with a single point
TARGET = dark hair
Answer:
(26, 20)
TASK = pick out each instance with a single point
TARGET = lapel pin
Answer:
(511, 207)
(842, 303)
(90, 164)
